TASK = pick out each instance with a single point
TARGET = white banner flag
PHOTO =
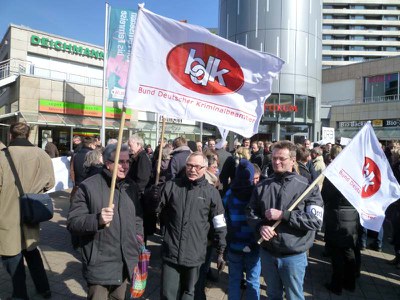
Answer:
(185, 71)
(363, 175)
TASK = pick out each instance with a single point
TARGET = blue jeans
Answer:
(364, 236)
(284, 272)
(250, 262)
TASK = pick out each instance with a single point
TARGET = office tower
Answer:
(359, 30)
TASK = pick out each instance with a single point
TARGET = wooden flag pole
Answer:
(297, 202)
(160, 150)
(116, 159)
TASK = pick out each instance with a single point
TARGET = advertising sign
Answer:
(120, 37)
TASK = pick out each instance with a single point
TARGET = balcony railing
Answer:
(388, 98)
(17, 67)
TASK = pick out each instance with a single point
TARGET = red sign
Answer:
(280, 107)
(204, 69)
(372, 178)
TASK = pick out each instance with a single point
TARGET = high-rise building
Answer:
(292, 30)
(359, 30)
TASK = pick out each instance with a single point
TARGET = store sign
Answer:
(391, 123)
(280, 107)
(170, 120)
(66, 47)
(80, 109)
(357, 124)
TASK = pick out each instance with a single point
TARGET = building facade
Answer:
(361, 92)
(55, 85)
(359, 30)
(292, 30)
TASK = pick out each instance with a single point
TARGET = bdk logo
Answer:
(372, 178)
(204, 69)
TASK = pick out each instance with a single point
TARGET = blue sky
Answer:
(83, 20)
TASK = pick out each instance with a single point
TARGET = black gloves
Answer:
(221, 263)
(155, 192)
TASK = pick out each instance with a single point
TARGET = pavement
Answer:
(378, 279)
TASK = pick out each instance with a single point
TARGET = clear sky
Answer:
(83, 20)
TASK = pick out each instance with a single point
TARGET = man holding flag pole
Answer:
(184, 71)
(361, 173)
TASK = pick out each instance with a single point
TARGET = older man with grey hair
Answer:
(188, 207)
(109, 237)
(140, 169)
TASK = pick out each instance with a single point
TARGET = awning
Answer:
(71, 121)
(384, 134)
(171, 128)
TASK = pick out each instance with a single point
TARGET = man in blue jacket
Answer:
(283, 252)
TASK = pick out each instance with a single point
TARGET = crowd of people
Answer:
(206, 203)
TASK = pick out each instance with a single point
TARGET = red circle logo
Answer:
(204, 69)
(372, 178)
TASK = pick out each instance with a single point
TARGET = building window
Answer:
(301, 106)
(380, 87)
(310, 110)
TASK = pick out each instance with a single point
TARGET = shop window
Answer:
(310, 110)
(270, 114)
(300, 105)
(285, 113)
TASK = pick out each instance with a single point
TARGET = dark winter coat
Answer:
(296, 232)
(187, 210)
(140, 170)
(106, 251)
(78, 159)
(341, 218)
(178, 161)
(304, 171)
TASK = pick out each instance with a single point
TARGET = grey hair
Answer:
(112, 141)
(110, 149)
(137, 139)
(198, 153)
(92, 158)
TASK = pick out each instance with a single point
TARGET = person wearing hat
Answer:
(243, 250)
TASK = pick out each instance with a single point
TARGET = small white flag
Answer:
(185, 71)
(363, 175)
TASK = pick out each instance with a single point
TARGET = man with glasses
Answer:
(283, 251)
(109, 237)
(188, 206)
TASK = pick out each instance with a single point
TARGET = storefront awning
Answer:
(384, 134)
(71, 121)
(171, 128)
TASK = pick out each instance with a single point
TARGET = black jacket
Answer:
(78, 160)
(187, 210)
(297, 230)
(341, 218)
(258, 158)
(177, 162)
(140, 170)
(106, 251)
(304, 171)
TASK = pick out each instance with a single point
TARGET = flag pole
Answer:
(103, 111)
(116, 159)
(310, 187)
(160, 151)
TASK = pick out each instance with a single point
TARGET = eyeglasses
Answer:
(121, 162)
(281, 159)
(196, 167)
